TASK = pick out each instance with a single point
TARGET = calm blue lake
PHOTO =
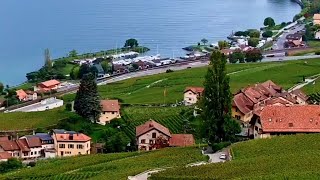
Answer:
(28, 27)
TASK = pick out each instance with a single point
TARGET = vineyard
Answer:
(107, 166)
(283, 157)
(167, 116)
(314, 98)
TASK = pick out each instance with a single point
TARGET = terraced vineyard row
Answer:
(314, 98)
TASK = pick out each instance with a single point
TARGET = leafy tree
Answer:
(117, 142)
(73, 53)
(267, 34)
(74, 74)
(223, 44)
(236, 56)
(59, 64)
(204, 41)
(87, 103)
(253, 55)
(135, 66)
(10, 165)
(1, 88)
(131, 43)
(47, 60)
(106, 67)
(216, 101)
(253, 33)
(32, 76)
(253, 42)
(269, 22)
(241, 33)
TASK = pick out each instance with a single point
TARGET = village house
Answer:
(47, 86)
(110, 110)
(192, 95)
(10, 147)
(33, 143)
(253, 98)
(143, 64)
(285, 120)
(226, 51)
(293, 40)
(316, 19)
(70, 143)
(47, 144)
(149, 133)
(26, 95)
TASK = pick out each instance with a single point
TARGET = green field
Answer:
(150, 89)
(108, 166)
(284, 157)
(32, 120)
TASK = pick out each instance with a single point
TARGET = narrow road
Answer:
(301, 85)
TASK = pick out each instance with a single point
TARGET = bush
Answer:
(267, 34)
(317, 52)
(169, 71)
(32, 164)
(253, 42)
(69, 106)
(219, 146)
(10, 165)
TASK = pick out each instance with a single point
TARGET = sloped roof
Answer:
(300, 94)
(23, 145)
(295, 118)
(70, 136)
(21, 94)
(194, 89)
(50, 83)
(149, 125)
(33, 141)
(243, 103)
(5, 155)
(8, 145)
(181, 140)
(44, 136)
(110, 105)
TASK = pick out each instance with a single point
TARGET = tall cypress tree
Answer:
(216, 102)
(87, 103)
(47, 59)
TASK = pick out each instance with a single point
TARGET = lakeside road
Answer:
(193, 65)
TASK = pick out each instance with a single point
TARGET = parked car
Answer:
(223, 156)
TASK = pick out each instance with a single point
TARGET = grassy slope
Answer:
(109, 166)
(21, 120)
(285, 157)
(136, 91)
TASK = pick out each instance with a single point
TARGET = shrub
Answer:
(317, 52)
(169, 70)
(219, 146)
(267, 34)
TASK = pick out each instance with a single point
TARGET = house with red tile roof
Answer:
(70, 143)
(282, 120)
(26, 95)
(4, 156)
(150, 133)
(110, 109)
(48, 86)
(192, 95)
(10, 146)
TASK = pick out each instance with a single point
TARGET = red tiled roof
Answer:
(294, 118)
(78, 137)
(5, 155)
(149, 125)
(278, 101)
(23, 145)
(110, 105)
(195, 89)
(300, 94)
(226, 51)
(272, 87)
(8, 145)
(181, 140)
(50, 83)
(243, 103)
(33, 141)
(21, 94)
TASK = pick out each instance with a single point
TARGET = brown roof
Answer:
(21, 94)
(110, 105)
(194, 89)
(5, 155)
(316, 16)
(243, 103)
(278, 101)
(300, 94)
(295, 36)
(33, 141)
(50, 83)
(181, 140)
(8, 145)
(294, 118)
(149, 125)
(23, 145)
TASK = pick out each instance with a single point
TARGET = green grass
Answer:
(284, 157)
(32, 120)
(315, 44)
(312, 88)
(108, 166)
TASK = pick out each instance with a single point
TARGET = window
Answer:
(151, 141)
(70, 146)
(143, 141)
(62, 146)
(31, 153)
(35, 153)
(236, 109)
(154, 135)
(25, 154)
(79, 146)
(190, 99)
(237, 117)
(112, 112)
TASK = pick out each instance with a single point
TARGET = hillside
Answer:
(284, 157)
(108, 166)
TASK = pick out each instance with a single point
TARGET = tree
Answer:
(74, 74)
(253, 55)
(216, 100)
(117, 142)
(135, 66)
(10, 165)
(253, 33)
(106, 66)
(269, 22)
(236, 56)
(47, 60)
(87, 103)
(84, 69)
(253, 42)
(204, 41)
(223, 44)
(267, 34)
(73, 53)
(1, 88)
(131, 43)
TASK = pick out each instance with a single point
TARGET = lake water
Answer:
(28, 27)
